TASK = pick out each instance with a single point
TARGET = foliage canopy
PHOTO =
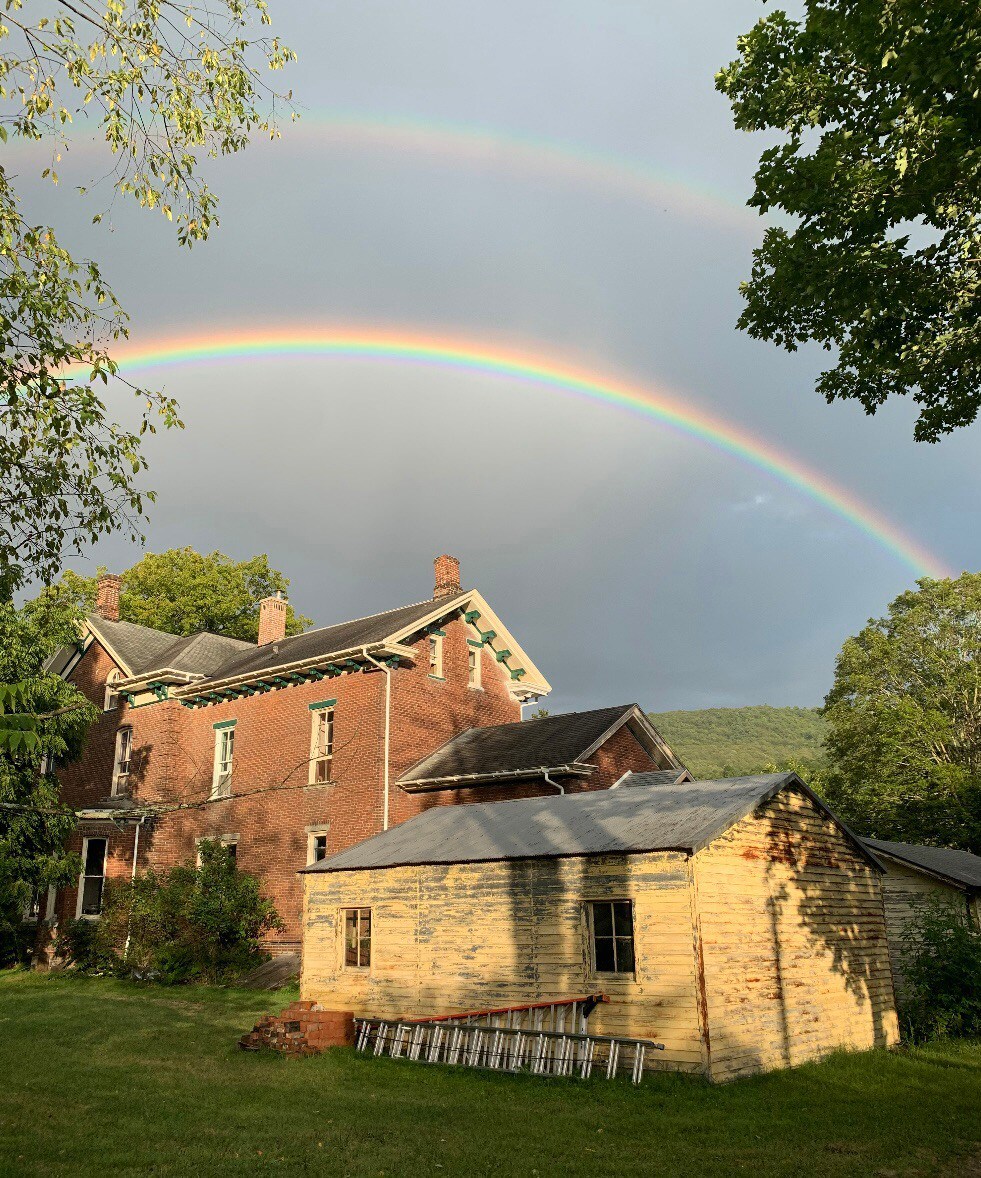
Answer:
(183, 591)
(942, 973)
(163, 83)
(879, 104)
(904, 719)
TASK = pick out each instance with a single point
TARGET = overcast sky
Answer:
(633, 563)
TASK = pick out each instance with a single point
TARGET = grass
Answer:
(102, 1077)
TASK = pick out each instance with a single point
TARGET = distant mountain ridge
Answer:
(725, 742)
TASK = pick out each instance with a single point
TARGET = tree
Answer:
(182, 591)
(33, 823)
(164, 83)
(904, 719)
(879, 103)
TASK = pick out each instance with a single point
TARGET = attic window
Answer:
(473, 666)
(611, 926)
(111, 699)
(435, 656)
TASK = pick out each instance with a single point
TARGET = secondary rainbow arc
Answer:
(468, 356)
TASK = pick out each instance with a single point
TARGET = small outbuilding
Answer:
(914, 877)
(737, 922)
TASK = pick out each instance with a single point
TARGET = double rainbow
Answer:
(652, 403)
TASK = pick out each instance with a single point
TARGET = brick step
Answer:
(300, 1029)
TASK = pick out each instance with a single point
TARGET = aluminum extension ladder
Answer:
(503, 1048)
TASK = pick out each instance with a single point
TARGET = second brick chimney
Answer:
(447, 577)
(107, 597)
(272, 618)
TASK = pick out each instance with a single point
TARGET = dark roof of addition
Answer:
(682, 817)
(497, 750)
(960, 867)
(326, 641)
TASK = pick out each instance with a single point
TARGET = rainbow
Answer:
(653, 404)
(486, 148)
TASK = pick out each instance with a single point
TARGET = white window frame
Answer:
(122, 760)
(321, 758)
(474, 667)
(110, 701)
(226, 840)
(224, 763)
(79, 914)
(314, 833)
(49, 912)
(435, 656)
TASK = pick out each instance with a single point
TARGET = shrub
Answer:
(80, 946)
(942, 971)
(199, 923)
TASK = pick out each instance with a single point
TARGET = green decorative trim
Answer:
(487, 635)
(438, 678)
(435, 632)
(518, 672)
(335, 669)
(224, 724)
(280, 682)
(352, 664)
(316, 676)
(471, 615)
(324, 703)
(502, 656)
(474, 642)
(394, 661)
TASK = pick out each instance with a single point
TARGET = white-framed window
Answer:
(49, 911)
(47, 764)
(228, 841)
(121, 765)
(321, 742)
(111, 698)
(92, 880)
(357, 938)
(316, 846)
(473, 666)
(221, 781)
(436, 656)
(611, 928)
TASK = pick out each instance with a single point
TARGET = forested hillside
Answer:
(723, 742)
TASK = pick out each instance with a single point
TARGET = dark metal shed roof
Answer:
(685, 817)
(960, 867)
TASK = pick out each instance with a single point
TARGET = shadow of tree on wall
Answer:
(835, 901)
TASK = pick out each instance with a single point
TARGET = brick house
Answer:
(296, 748)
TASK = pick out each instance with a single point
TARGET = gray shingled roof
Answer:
(511, 748)
(683, 817)
(325, 641)
(143, 649)
(959, 866)
(658, 777)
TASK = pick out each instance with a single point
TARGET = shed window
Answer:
(436, 656)
(321, 745)
(612, 930)
(357, 938)
(124, 753)
(93, 877)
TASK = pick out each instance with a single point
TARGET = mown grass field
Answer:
(103, 1077)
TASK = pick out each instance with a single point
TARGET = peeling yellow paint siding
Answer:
(476, 936)
(794, 942)
(905, 892)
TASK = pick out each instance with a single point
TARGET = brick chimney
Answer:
(272, 618)
(107, 597)
(447, 577)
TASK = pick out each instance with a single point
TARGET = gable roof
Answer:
(682, 817)
(959, 867)
(553, 743)
(141, 649)
(631, 780)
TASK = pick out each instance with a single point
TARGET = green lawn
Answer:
(102, 1077)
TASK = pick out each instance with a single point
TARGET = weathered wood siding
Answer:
(905, 892)
(475, 936)
(793, 941)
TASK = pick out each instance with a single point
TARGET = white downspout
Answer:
(388, 719)
(548, 779)
(136, 855)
